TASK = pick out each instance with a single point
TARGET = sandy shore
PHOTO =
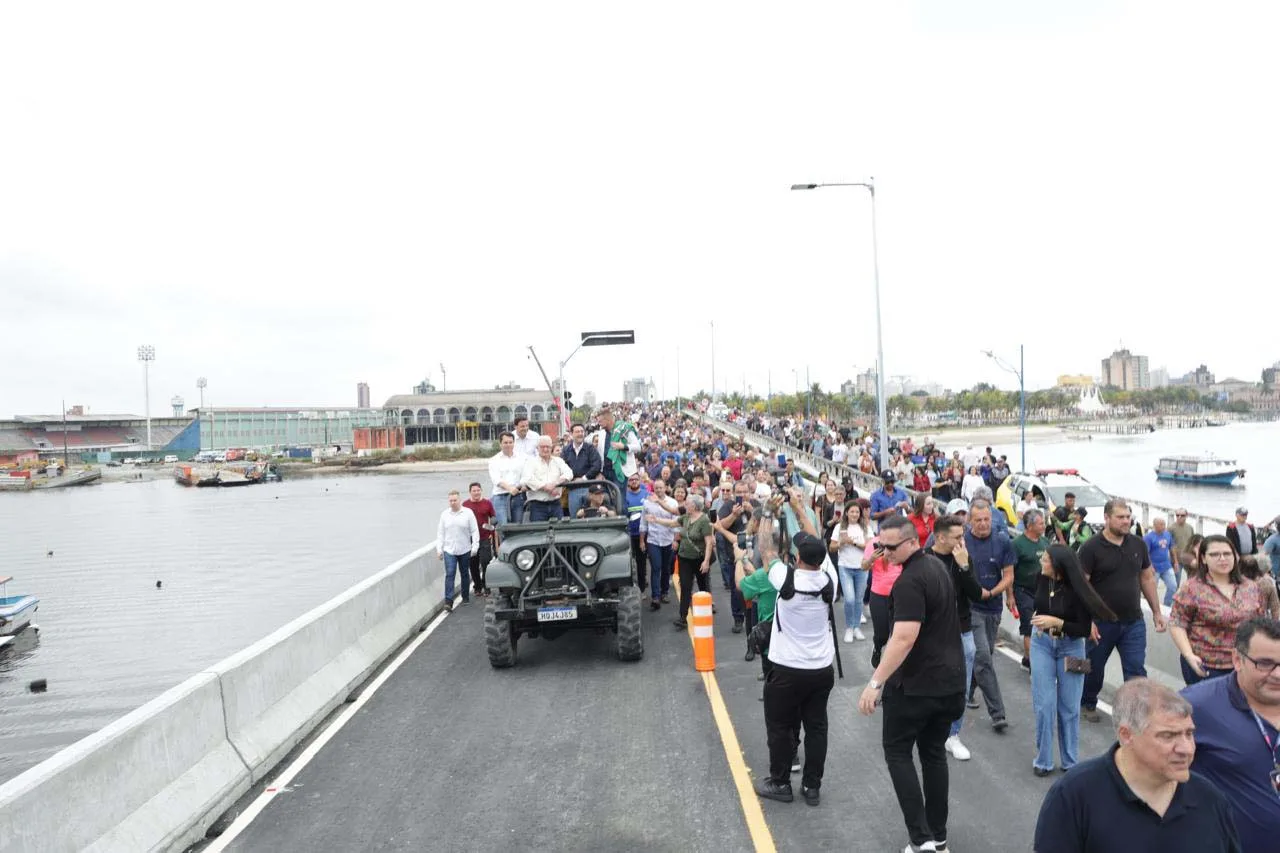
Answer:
(958, 438)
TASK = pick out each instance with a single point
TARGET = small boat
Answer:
(15, 610)
(1208, 470)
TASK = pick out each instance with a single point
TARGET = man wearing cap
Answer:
(595, 507)
(1242, 534)
(801, 651)
(891, 500)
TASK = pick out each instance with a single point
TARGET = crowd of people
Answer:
(934, 573)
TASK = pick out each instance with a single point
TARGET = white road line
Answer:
(1014, 656)
(280, 784)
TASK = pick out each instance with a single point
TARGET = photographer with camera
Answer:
(801, 652)
(732, 520)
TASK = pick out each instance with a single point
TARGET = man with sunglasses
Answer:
(1182, 533)
(1237, 719)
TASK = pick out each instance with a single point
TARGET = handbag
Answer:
(1084, 666)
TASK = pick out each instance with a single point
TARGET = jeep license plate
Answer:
(557, 614)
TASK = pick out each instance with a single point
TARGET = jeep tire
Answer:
(630, 639)
(499, 635)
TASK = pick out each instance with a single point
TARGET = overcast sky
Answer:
(289, 199)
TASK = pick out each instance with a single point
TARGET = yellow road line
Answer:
(761, 837)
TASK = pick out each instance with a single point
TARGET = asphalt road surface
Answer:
(572, 750)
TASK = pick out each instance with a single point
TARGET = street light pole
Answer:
(201, 382)
(713, 361)
(146, 355)
(870, 186)
(1019, 372)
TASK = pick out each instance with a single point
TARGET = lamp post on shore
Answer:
(870, 186)
(146, 355)
(1019, 372)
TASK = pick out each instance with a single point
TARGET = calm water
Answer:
(1125, 465)
(236, 564)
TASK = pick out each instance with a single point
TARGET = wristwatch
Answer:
(874, 685)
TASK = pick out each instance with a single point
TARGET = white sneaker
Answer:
(858, 635)
(864, 619)
(848, 635)
(958, 750)
(927, 847)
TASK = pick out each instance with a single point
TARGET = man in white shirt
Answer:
(801, 650)
(506, 467)
(526, 440)
(457, 539)
(542, 478)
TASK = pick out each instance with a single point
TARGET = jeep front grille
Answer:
(555, 566)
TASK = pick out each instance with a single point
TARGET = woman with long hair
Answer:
(850, 538)
(1209, 607)
(819, 492)
(923, 515)
(1066, 605)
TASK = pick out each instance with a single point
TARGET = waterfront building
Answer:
(1160, 377)
(278, 427)
(469, 415)
(85, 436)
(1126, 371)
(866, 383)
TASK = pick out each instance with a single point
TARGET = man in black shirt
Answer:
(1141, 794)
(921, 674)
(948, 546)
(1118, 566)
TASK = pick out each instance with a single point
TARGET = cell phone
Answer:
(746, 542)
(737, 500)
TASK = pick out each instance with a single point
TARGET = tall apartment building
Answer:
(1126, 371)
(637, 389)
(362, 395)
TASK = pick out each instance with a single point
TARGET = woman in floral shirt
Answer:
(1209, 607)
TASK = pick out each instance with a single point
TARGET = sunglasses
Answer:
(887, 547)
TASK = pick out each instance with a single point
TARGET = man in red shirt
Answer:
(733, 465)
(484, 512)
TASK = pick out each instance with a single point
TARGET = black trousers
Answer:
(480, 562)
(923, 722)
(795, 698)
(880, 626)
(690, 577)
(642, 563)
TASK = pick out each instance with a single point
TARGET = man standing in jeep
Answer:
(543, 476)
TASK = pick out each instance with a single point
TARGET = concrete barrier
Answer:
(278, 689)
(153, 779)
(158, 777)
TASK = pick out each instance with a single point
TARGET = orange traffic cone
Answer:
(704, 641)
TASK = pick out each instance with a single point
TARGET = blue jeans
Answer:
(1130, 639)
(661, 559)
(577, 500)
(1055, 695)
(853, 585)
(1189, 675)
(507, 508)
(970, 650)
(460, 563)
(1170, 581)
(724, 553)
(545, 510)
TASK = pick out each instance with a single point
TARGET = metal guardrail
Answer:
(1144, 510)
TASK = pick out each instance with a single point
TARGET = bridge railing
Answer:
(158, 777)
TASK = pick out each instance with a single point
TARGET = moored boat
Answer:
(1207, 470)
(15, 610)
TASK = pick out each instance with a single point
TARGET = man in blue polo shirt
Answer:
(992, 556)
(891, 500)
(1141, 794)
(1237, 721)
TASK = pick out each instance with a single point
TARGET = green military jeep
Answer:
(554, 576)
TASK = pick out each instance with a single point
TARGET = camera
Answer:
(780, 479)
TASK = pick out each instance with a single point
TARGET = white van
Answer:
(170, 458)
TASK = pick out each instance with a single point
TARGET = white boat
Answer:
(15, 610)
(1208, 470)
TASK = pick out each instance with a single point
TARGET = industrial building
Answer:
(28, 437)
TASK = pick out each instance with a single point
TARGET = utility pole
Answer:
(444, 379)
(66, 462)
(713, 361)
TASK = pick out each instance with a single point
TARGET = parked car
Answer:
(169, 458)
(1048, 487)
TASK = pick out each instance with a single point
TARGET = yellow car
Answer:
(1048, 487)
